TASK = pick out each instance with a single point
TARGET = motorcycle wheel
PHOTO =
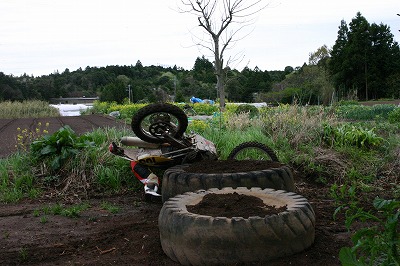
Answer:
(194, 239)
(151, 121)
(252, 151)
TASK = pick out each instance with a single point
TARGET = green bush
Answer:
(247, 108)
(100, 107)
(286, 96)
(346, 134)
(60, 146)
(394, 115)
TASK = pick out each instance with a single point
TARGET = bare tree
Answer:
(222, 20)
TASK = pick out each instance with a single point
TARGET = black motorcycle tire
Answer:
(144, 112)
(176, 180)
(253, 145)
(193, 239)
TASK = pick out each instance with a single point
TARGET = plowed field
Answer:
(80, 124)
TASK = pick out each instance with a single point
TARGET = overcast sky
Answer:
(38, 37)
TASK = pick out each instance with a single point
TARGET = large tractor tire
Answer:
(193, 239)
(176, 180)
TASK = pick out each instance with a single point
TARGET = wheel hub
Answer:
(159, 128)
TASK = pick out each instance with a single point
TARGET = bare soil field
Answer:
(80, 124)
(371, 103)
(131, 235)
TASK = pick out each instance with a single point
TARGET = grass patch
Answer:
(60, 209)
(110, 207)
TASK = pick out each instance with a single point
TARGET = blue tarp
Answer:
(195, 100)
(198, 100)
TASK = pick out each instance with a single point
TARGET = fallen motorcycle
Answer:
(161, 142)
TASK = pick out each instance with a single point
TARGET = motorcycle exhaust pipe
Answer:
(135, 141)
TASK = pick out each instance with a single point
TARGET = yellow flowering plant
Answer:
(26, 136)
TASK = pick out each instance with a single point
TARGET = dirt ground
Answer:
(29, 236)
(131, 236)
(371, 103)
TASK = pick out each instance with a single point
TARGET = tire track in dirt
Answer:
(5, 122)
(61, 122)
(94, 124)
(80, 124)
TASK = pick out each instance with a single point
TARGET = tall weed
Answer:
(231, 130)
(27, 109)
(295, 123)
(241, 121)
(16, 178)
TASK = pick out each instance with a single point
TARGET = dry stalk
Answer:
(242, 121)
(391, 171)
(333, 161)
(296, 124)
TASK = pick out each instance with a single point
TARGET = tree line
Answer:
(364, 63)
(146, 83)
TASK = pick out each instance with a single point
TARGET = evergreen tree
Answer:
(385, 62)
(365, 60)
(203, 70)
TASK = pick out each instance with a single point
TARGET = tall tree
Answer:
(318, 81)
(339, 62)
(203, 70)
(359, 44)
(385, 61)
(320, 56)
(254, 81)
(116, 91)
(364, 59)
(222, 20)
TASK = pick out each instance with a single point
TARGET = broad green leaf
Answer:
(347, 258)
(48, 150)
